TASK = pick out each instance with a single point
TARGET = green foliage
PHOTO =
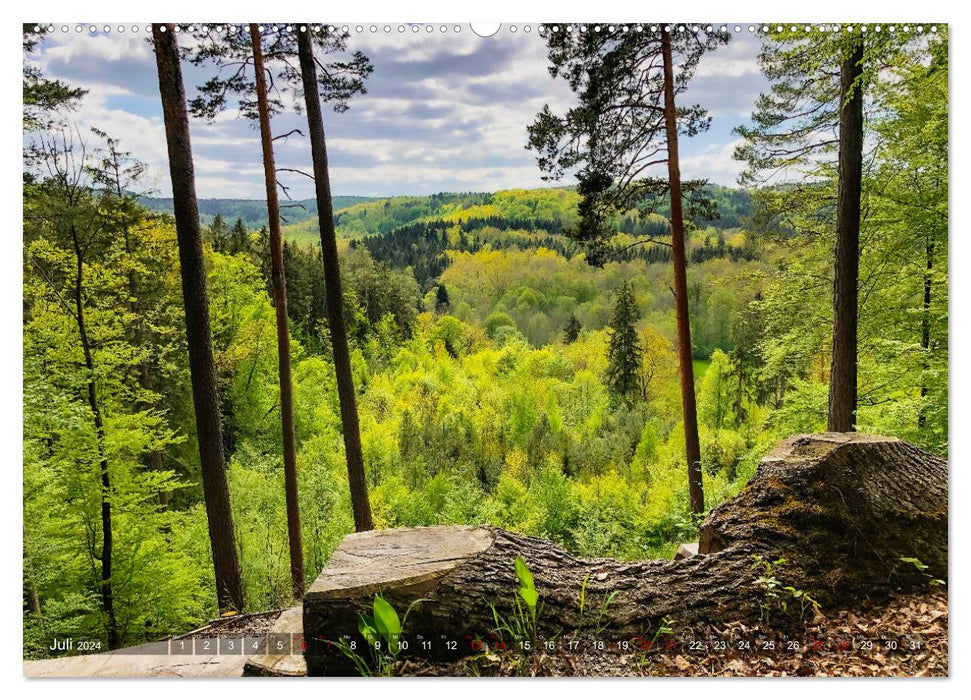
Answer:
(499, 406)
(715, 396)
(382, 631)
(522, 626)
(778, 598)
(527, 588)
(922, 569)
(43, 98)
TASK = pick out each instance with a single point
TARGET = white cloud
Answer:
(442, 112)
(714, 163)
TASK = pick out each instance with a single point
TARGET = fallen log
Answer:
(843, 510)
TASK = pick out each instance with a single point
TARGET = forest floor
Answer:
(905, 636)
(246, 625)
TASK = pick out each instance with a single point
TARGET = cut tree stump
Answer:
(289, 626)
(842, 509)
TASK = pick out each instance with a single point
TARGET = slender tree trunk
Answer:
(689, 409)
(332, 280)
(842, 376)
(30, 587)
(107, 538)
(282, 329)
(925, 327)
(229, 589)
(737, 408)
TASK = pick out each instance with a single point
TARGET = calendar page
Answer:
(461, 350)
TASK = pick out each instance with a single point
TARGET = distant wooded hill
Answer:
(252, 211)
(549, 209)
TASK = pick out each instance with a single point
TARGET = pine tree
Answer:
(205, 396)
(626, 122)
(442, 303)
(216, 234)
(624, 354)
(819, 80)
(43, 97)
(294, 532)
(332, 277)
(572, 330)
(238, 239)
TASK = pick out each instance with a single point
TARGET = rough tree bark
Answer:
(332, 281)
(205, 398)
(282, 328)
(842, 377)
(692, 444)
(841, 509)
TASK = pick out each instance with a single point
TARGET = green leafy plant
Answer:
(583, 596)
(523, 626)
(602, 612)
(666, 627)
(923, 569)
(776, 596)
(527, 590)
(381, 631)
(605, 602)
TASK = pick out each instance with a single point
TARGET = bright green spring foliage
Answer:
(483, 411)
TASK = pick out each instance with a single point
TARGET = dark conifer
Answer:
(624, 355)
(572, 330)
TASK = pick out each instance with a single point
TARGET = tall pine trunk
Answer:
(229, 589)
(332, 281)
(282, 329)
(842, 376)
(692, 446)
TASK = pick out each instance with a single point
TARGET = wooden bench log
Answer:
(842, 509)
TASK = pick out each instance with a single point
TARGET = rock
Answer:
(689, 549)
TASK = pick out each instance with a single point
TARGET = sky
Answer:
(444, 112)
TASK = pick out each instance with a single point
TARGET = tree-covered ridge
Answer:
(549, 209)
(252, 212)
